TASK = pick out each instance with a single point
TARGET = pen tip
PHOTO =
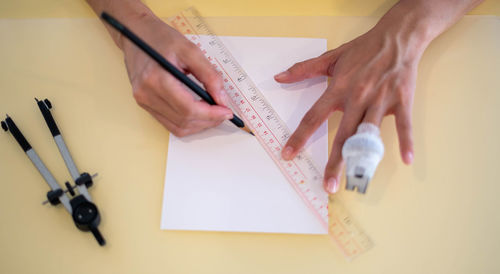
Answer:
(245, 128)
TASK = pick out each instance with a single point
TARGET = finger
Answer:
(149, 100)
(195, 126)
(155, 80)
(308, 69)
(404, 129)
(312, 120)
(374, 115)
(204, 115)
(204, 71)
(350, 120)
(179, 132)
(197, 111)
(167, 123)
(203, 111)
(185, 104)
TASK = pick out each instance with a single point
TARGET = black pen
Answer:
(168, 66)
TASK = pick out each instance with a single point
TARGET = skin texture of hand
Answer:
(154, 89)
(163, 96)
(372, 76)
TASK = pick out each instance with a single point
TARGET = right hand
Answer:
(161, 94)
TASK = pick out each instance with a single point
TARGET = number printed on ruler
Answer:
(272, 133)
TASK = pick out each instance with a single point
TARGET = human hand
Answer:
(371, 76)
(161, 94)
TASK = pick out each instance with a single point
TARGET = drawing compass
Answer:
(79, 205)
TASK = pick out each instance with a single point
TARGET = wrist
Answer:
(410, 27)
(130, 12)
(136, 22)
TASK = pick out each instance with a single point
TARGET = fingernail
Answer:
(287, 152)
(409, 157)
(229, 116)
(332, 185)
(282, 75)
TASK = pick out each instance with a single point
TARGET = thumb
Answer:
(308, 69)
(203, 70)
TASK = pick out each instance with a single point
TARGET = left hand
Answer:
(371, 76)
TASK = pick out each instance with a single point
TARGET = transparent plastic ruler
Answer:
(272, 133)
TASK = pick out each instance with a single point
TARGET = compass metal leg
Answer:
(45, 106)
(37, 162)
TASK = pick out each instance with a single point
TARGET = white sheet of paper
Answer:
(222, 179)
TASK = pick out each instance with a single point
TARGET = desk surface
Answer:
(74, 9)
(438, 216)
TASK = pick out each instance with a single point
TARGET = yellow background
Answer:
(437, 216)
(79, 8)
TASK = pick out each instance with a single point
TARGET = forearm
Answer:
(127, 11)
(415, 23)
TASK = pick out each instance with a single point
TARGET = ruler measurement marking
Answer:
(267, 149)
(350, 239)
(182, 14)
(248, 102)
(341, 245)
(262, 102)
(270, 151)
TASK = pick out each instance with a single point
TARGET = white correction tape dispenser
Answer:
(362, 152)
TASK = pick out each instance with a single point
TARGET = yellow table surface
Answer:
(163, 8)
(437, 216)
